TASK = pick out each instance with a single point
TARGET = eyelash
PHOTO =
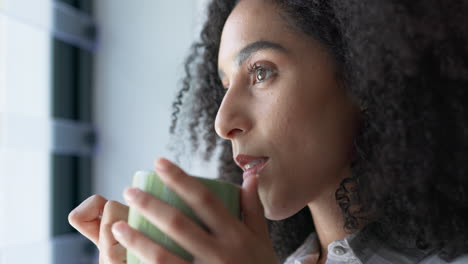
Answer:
(252, 69)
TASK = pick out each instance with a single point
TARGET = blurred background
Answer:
(86, 89)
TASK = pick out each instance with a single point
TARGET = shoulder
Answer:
(436, 259)
(369, 249)
(461, 259)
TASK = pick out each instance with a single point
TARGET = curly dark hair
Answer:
(406, 64)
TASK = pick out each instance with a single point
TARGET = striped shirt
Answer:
(359, 248)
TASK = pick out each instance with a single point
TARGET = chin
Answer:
(279, 212)
(277, 208)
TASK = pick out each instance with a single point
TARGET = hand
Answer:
(94, 218)
(230, 241)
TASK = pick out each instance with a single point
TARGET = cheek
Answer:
(318, 126)
(282, 121)
(292, 125)
(310, 141)
(287, 186)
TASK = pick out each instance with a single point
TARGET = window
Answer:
(46, 133)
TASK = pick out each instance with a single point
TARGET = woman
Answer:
(354, 111)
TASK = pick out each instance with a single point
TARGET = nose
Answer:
(232, 118)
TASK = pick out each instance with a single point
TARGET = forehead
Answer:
(251, 21)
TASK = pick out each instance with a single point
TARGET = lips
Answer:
(251, 164)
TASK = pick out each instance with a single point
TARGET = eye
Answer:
(260, 72)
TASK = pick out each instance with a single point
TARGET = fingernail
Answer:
(131, 194)
(162, 164)
(119, 229)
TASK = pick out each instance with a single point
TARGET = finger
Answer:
(108, 245)
(86, 218)
(119, 255)
(144, 248)
(173, 222)
(204, 203)
(252, 208)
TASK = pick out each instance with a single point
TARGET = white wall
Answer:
(139, 64)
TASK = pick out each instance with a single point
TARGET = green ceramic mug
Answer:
(149, 181)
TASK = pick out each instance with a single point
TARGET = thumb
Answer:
(252, 209)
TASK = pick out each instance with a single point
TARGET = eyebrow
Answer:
(253, 47)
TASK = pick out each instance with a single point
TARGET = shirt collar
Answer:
(307, 253)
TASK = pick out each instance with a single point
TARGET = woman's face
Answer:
(283, 101)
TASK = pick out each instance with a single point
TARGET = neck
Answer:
(327, 217)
